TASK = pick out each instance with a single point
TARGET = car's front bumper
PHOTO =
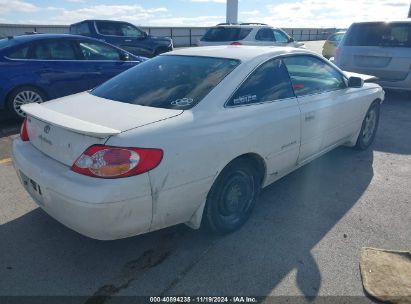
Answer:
(103, 209)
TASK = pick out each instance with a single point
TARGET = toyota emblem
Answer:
(47, 129)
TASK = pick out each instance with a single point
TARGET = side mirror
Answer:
(291, 39)
(145, 34)
(355, 82)
(124, 56)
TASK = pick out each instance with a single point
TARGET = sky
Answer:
(280, 13)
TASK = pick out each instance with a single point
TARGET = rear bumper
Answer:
(98, 208)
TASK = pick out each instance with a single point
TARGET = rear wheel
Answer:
(369, 127)
(21, 96)
(232, 197)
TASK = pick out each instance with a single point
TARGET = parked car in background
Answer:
(124, 35)
(190, 137)
(247, 34)
(382, 49)
(36, 68)
(331, 44)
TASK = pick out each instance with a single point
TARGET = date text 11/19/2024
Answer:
(198, 299)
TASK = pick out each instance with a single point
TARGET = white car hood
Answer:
(91, 115)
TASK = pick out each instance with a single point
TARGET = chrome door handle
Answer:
(128, 40)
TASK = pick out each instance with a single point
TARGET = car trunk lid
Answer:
(63, 129)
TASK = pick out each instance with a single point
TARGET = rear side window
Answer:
(80, 29)
(396, 34)
(311, 75)
(269, 82)
(222, 34)
(336, 37)
(20, 53)
(54, 50)
(169, 82)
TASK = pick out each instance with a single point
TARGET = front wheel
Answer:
(22, 96)
(369, 127)
(232, 197)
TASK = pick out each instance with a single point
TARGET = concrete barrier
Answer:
(182, 36)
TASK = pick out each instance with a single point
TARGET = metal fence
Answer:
(182, 36)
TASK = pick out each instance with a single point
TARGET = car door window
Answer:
(268, 83)
(311, 75)
(280, 37)
(20, 53)
(265, 34)
(54, 50)
(118, 29)
(98, 51)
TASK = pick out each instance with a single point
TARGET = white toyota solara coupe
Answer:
(190, 137)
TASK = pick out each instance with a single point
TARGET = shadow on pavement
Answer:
(393, 135)
(40, 256)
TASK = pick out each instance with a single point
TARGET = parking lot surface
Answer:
(303, 239)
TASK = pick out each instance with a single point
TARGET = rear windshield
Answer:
(396, 34)
(6, 43)
(226, 34)
(169, 82)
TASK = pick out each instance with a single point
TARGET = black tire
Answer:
(369, 127)
(16, 99)
(232, 197)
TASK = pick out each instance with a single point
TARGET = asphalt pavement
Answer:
(303, 239)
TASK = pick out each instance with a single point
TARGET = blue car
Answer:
(40, 67)
(124, 35)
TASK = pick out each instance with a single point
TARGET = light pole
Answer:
(409, 12)
(232, 11)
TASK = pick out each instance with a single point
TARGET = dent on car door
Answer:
(58, 67)
(267, 96)
(102, 61)
(327, 106)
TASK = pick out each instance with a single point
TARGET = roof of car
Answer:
(33, 37)
(243, 53)
(385, 21)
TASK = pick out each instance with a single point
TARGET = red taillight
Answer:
(24, 135)
(337, 54)
(115, 162)
(236, 43)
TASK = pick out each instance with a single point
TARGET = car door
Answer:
(327, 105)
(102, 61)
(56, 63)
(266, 101)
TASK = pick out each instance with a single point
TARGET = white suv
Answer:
(247, 34)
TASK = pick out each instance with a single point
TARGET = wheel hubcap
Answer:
(25, 97)
(370, 123)
(237, 196)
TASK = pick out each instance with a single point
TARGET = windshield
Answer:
(226, 34)
(170, 82)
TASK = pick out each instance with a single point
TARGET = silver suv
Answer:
(381, 49)
(247, 34)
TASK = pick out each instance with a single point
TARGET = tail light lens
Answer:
(236, 43)
(116, 162)
(24, 135)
